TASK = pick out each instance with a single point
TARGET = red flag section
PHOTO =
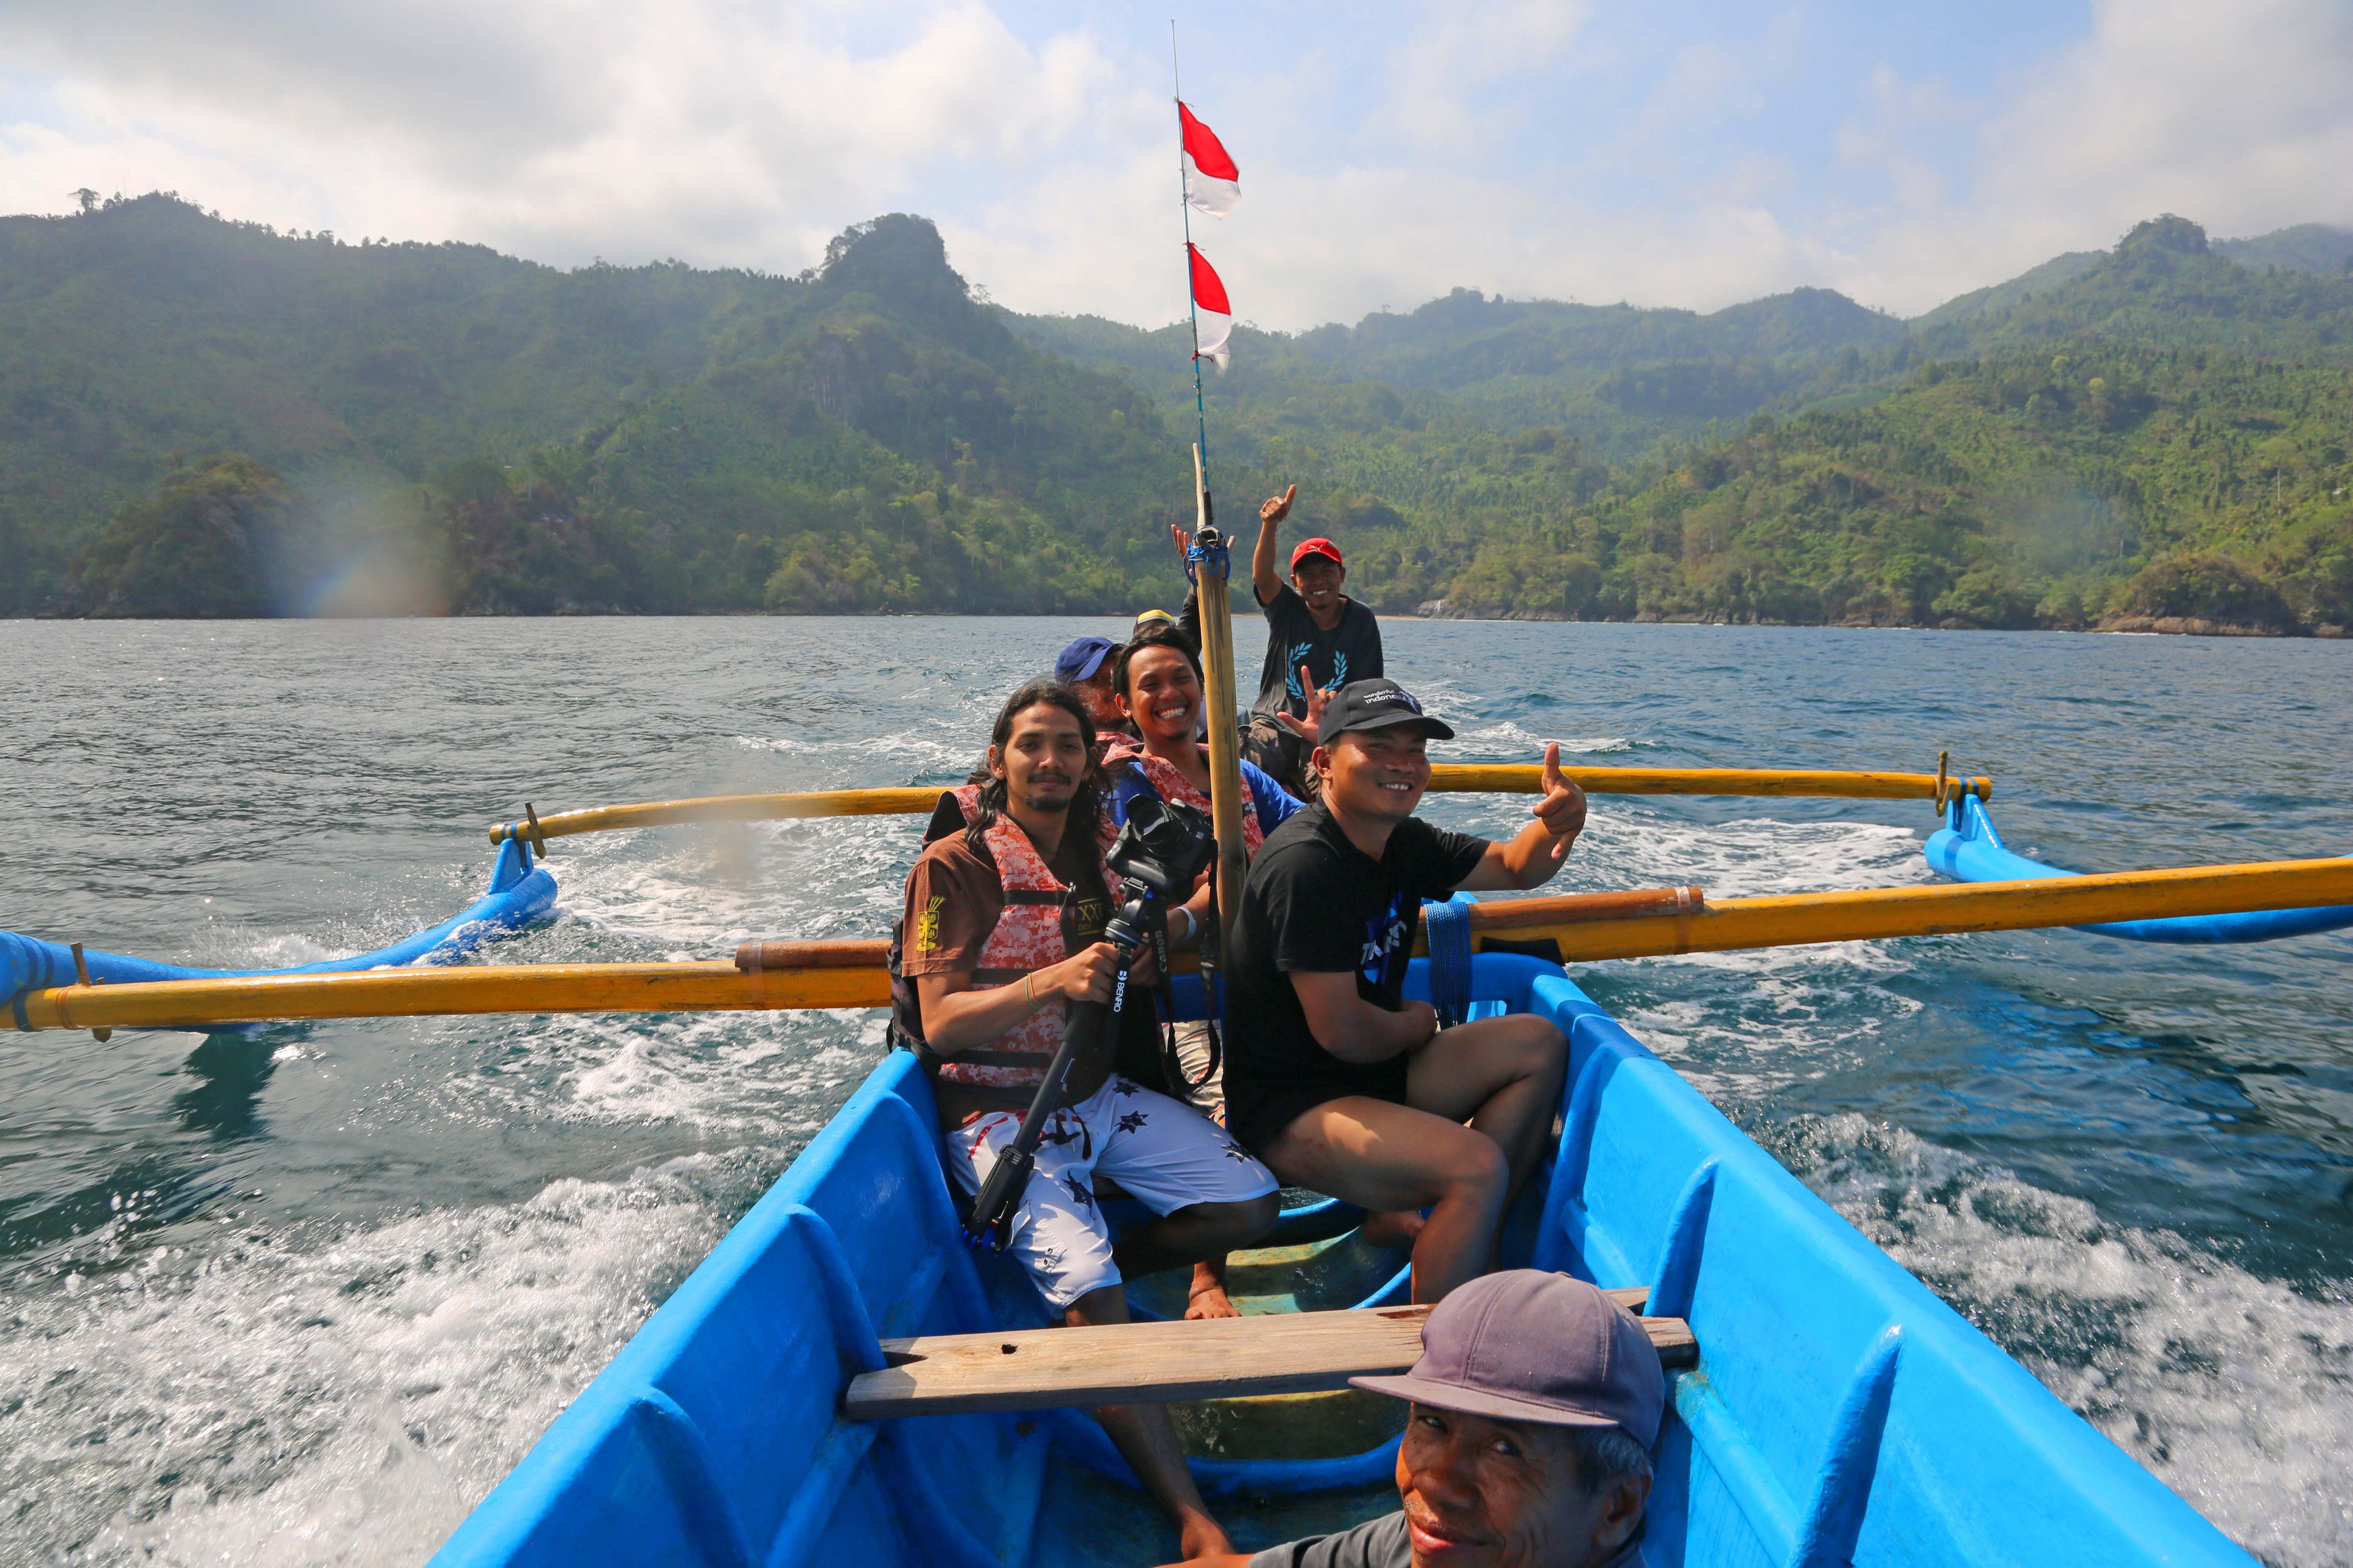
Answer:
(1211, 182)
(1213, 315)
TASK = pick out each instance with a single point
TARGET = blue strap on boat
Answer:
(1448, 925)
(17, 1006)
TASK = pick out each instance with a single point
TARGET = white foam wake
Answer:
(344, 1398)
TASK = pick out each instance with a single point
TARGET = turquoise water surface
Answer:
(304, 1296)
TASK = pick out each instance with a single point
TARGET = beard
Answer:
(1050, 799)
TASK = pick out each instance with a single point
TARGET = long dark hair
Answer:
(1085, 804)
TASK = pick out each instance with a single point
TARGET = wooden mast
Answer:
(1212, 572)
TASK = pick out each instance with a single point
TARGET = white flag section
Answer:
(1211, 182)
(1213, 316)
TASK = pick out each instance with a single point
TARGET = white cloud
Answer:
(727, 131)
(1459, 50)
(2238, 116)
(731, 131)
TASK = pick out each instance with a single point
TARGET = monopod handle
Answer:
(992, 1210)
(1090, 1024)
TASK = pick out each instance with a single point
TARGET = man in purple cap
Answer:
(1535, 1405)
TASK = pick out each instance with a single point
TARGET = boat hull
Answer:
(1839, 1412)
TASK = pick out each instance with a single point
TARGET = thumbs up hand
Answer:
(1561, 807)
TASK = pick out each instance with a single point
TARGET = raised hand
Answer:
(1561, 807)
(1318, 699)
(1184, 538)
(1274, 508)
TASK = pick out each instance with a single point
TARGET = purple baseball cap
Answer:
(1525, 1345)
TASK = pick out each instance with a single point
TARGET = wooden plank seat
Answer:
(1123, 1364)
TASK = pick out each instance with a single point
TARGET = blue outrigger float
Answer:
(1837, 1413)
(519, 894)
(1967, 849)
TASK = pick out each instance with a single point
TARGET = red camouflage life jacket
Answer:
(1176, 789)
(1031, 934)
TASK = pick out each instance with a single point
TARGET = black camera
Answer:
(1164, 846)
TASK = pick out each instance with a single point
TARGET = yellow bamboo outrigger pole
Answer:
(849, 973)
(1496, 778)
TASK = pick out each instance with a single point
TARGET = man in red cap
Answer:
(1317, 640)
(1535, 1405)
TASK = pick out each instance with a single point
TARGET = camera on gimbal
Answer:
(1163, 848)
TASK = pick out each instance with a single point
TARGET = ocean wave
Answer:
(344, 1397)
(2230, 1387)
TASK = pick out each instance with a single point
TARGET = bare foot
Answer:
(1394, 1229)
(1207, 1297)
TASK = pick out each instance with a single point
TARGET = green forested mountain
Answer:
(285, 424)
(652, 439)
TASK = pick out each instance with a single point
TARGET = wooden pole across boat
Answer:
(1445, 778)
(1799, 920)
(850, 973)
(1212, 572)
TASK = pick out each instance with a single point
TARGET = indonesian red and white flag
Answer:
(1213, 316)
(1211, 182)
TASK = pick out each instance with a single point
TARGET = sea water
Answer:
(304, 1295)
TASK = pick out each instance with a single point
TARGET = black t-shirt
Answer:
(1317, 904)
(1350, 651)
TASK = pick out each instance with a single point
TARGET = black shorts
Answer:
(1257, 1111)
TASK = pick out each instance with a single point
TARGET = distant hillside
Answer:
(1998, 299)
(2164, 284)
(2104, 481)
(720, 428)
(1622, 375)
(2308, 248)
(206, 413)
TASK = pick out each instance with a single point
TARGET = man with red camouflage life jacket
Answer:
(1002, 931)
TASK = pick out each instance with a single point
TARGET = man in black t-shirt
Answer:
(1332, 1077)
(1317, 641)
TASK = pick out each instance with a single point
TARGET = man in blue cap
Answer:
(1087, 664)
(1535, 1405)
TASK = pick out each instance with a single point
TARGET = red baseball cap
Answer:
(1317, 546)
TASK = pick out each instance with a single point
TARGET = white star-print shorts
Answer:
(1162, 1152)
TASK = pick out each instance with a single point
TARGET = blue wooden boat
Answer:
(518, 894)
(1837, 1413)
(1967, 849)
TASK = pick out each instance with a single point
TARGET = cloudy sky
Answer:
(1689, 152)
